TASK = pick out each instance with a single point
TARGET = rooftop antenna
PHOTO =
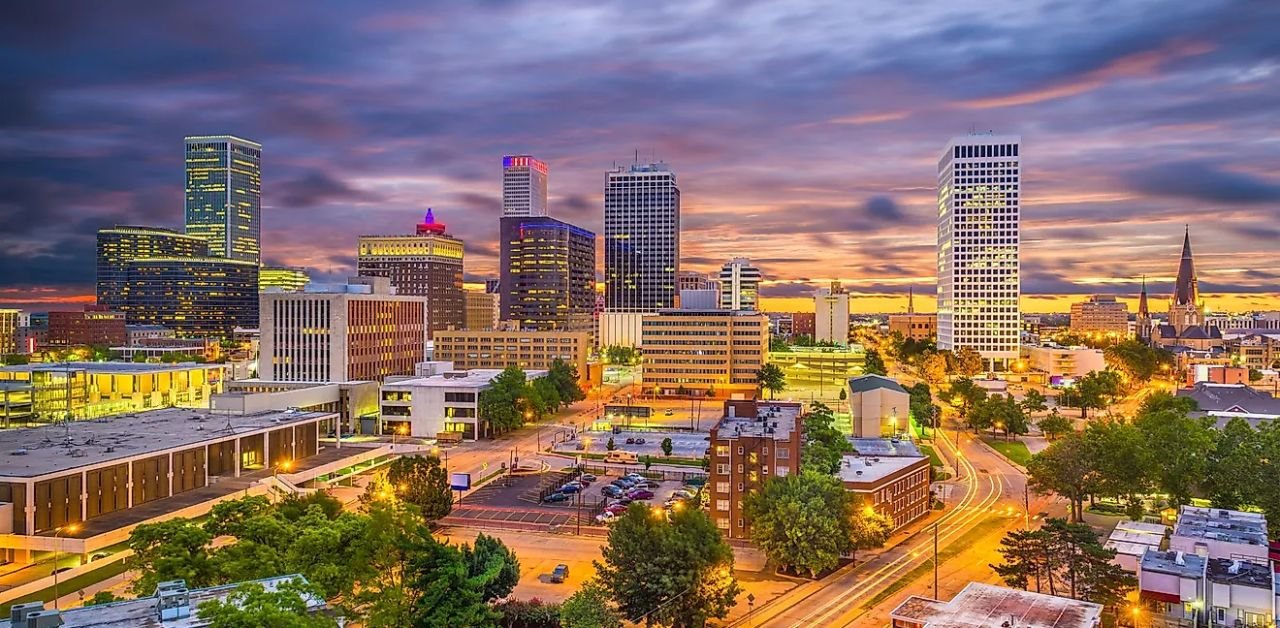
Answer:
(637, 159)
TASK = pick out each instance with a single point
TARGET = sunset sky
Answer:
(804, 135)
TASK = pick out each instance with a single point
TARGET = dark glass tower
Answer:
(224, 195)
(641, 238)
(120, 245)
(548, 274)
(197, 297)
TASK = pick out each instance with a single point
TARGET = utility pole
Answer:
(1026, 504)
(936, 594)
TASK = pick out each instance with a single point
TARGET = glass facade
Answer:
(121, 245)
(641, 238)
(282, 277)
(224, 195)
(200, 297)
(548, 274)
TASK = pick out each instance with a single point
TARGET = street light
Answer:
(70, 528)
(283, 465)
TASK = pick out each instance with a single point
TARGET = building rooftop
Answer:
(1218, 524)
(1232, 398)
(1133, 538)
(107, 367)
(878, 458)
(872, 382)
(885, 447)
(141, 612)
(474, 378)
(984, 606)
(772, 419)
(1228, 571)
(1173, 563)
(35, 451)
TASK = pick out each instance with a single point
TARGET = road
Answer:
(991, 504)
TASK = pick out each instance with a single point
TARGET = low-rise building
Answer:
(1260, 350)
(1131, 539)
(704, 352)
(1224, 402)
(1063, 362)
(172, 605)
(753, 441)
(890, 476)
(498, 349)
(136, 334)
(878, 406)
(93, 325)
(444, 406)
(86, 390)
(1216, 374)
(821, 370)
(1171, 589)
(482, 309)
(1240, 593)
(356, 403)
(988, 606)
(1221, 533)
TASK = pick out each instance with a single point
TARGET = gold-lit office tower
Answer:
(224, 195)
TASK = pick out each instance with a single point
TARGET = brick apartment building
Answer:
(752, 442)
(94, 325)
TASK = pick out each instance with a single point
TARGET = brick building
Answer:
(752, 442)
(94, 325)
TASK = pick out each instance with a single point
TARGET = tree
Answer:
(1054, 425)
(1066, 467)
(103, 597)
(1065, 559)
(844, 396)
(678, 573)
(824, 446)
(1138, 361)
(869, 528)
(1254, 374)
(13, 359)
(1034, 401)
(801, 521)
(176, 549)
(874, 364)
(610, 445)
(565, 377)
(589, 608)
(1096, 390)
(251, 605)
(778, 344)
(1184, 445)
(1121, 457)
(667, 447)
(423, 482)
(494, 564)
(533, 613)
(618, 354)
(967, 394)
(541, 397)
(499, 404)
(771, 378)
(934, 367)
(442, 590)
(968, 362)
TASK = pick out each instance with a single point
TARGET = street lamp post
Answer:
(70, 528)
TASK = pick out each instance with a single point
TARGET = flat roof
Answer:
(885, 447)
(776, 420)
(61, 447)
(474, 378)
(141, 612)
(984, 605)
(1228, 571)
(109, 367)
(857, 468)
(1174, 563)
(1219, 524)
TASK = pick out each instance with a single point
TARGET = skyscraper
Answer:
(979, 184)
(641, 238)
(428, 264)
(739, 285)
(831, 314)
(548, 274)
(224, 195)
(119, 245)
(524, 186)
(197, 297)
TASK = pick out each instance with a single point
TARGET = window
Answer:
(722, 487)
(782, 471)
(783, 453)
(722, 505)
(723, 524)
(722, 469)
(739, 451)
(722, 451)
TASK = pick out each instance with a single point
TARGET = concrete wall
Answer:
(872, 412)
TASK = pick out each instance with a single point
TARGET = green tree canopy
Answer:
(824, 446)
(589, 607)
(494, 564)
(1065, 559)
(771, 378)
(1066, 467)
(251, 605)
(499, 405)
(801, 521)
(1054, 425)
(967, 362)
(423, 482)
(565, 378)
(874, 364)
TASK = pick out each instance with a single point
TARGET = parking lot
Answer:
(683, 444)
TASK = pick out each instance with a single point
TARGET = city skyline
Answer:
(1137, 125)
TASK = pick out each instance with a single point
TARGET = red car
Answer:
(617, 509)
(640, 493)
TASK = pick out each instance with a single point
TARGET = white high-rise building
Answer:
(831, 314)
(739, 285)
(641, 238)
(979, 186)
(524, 186)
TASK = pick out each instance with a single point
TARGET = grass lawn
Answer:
(70, 585)
(933, 455)
(1014, 450)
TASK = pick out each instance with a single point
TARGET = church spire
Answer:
(911, 300)
(1186, 290)
(1143, 310)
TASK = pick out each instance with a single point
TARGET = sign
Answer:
(460, 481)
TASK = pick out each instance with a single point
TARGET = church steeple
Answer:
(1143, 310)
(911, 300)
(1186, 290)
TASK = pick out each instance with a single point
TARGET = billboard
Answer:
(460, 481)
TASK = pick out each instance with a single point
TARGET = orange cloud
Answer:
(871, 118)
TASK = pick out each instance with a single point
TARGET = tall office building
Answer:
(548, 274)
(694, 280)
(831, 314)
(119, 245)
(1101, 313)
(739, 285)
(224, 195)
(979, 183)
(342, 332)
(641, 238)
(284, 278)
(524, 186)
(427, 264)
(196, 297)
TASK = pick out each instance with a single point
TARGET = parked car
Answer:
(589, 477)
(640, 493)
(634, 476)
(555, 497)
(624, 482)
(611, 491)
(570, 488)
(684, 493)
(648, 484)
(560, 573)
(698, 480)
(606, 517)
(639, 441)
(631, 440)
(616, 509)
(669, 412)
(98, 556)
(623, 501)
(583, 481)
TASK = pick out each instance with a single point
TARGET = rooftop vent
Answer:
(18, 613)
(172, 600)
(21, 451)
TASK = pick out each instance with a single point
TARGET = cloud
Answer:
(1203, 181)
(883, 208)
